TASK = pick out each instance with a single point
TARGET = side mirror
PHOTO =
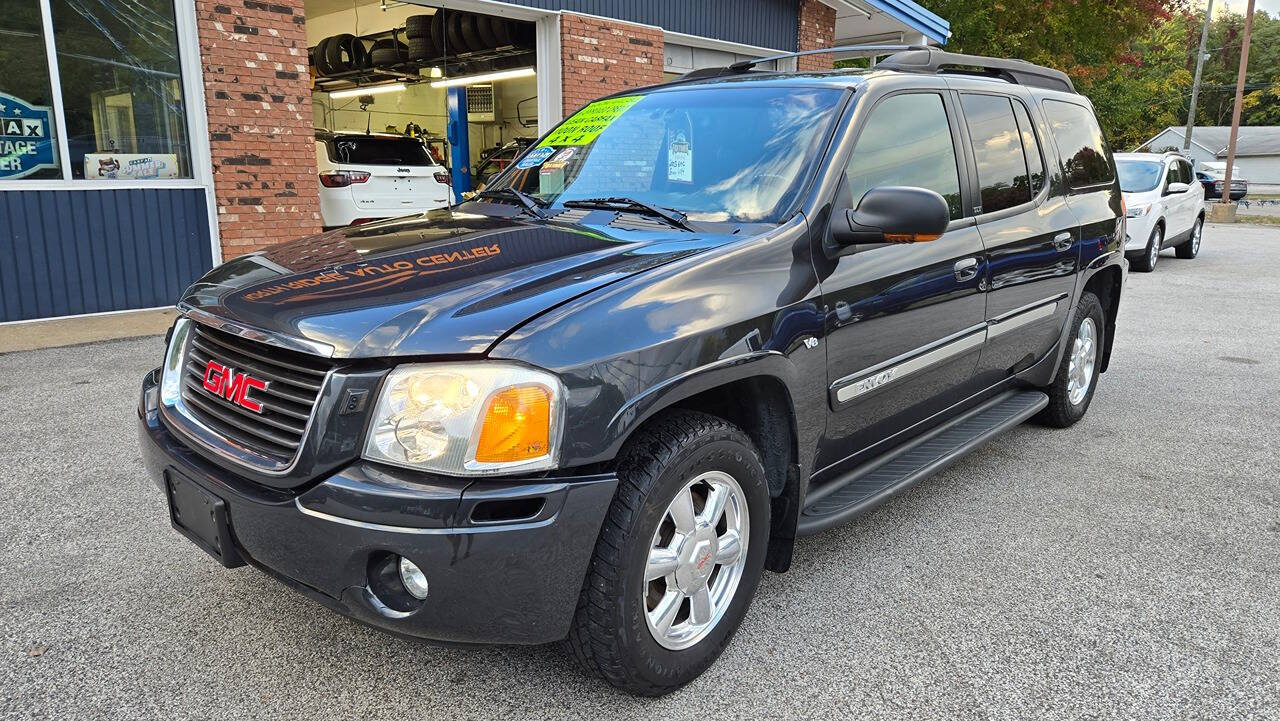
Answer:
(1176, 188)
(893, 214)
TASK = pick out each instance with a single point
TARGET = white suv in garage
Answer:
(1164, 204)
(367, 177)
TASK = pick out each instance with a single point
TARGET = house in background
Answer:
(1257, 148)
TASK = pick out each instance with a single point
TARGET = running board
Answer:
(879, 479)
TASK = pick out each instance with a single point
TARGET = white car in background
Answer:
(1164, 204)
(367, 177)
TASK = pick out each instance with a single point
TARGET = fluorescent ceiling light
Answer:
(372, 90)
(483, 78)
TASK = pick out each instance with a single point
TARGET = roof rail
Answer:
(745, 66)
(932, 60)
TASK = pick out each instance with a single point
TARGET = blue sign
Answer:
(26, 138)
(536, 157)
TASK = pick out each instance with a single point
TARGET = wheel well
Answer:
(761, 407)
(1106, 284)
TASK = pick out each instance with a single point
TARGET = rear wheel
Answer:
(1077, 378)
(1151, 254)
(678, 557)
(1191, 248)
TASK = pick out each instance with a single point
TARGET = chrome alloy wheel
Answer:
(1195, 237)
(696, 560)
(1157, 240)
(1083, 358)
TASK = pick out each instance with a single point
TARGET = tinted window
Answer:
(1080, 142)
(1185, 171)
(1172, 175)
(997, 150)
(377, 150)
(907, 141)
(1031, 146)
(1137, 176)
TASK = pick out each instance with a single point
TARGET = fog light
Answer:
(414, 580)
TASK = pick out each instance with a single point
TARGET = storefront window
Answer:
(121, 84)
(28, 142)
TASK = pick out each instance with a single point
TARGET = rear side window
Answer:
(907, 141)
(997, 150)
(1080, 142)
(1030, 146)
(376, 150)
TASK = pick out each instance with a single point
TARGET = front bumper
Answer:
(491, 581)
(1138, 232)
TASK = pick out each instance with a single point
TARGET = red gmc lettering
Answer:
(221, 380)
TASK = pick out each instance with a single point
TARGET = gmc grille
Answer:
(293, 381)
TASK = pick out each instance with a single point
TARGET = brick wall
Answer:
(816, 27)
(601, 57)
(261, 134)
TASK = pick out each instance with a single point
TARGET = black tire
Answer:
(523, 34)
(1191, 247)
(453, 30)
(501, 31)
(338, 53)
(470, 33)
(484, 27)
(417, 26)
(360, 58)
(322, 58)
(610, 636)
(1151, 251)
(385, 56)
(421, 49)
(1061, 411)
(439, 32)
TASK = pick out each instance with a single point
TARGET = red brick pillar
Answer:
(600, 57)
(261, 134)
(816, 28)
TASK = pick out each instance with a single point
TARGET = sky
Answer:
(1271, 6)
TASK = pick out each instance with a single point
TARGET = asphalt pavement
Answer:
(1128, 567)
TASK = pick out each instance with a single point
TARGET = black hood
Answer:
(446, 282)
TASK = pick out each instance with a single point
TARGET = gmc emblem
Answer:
(224, 381)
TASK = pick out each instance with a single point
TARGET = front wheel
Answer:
(1150, 254)
(1072, 388)
(1191, 247)
(678, 558)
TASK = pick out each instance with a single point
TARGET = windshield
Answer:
(1137, 176)
(715, 154)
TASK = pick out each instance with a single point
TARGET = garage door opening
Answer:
(415, 105)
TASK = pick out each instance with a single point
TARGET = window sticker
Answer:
(679, 156)
(587, 124)
(536, 157)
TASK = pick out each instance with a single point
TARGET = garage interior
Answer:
(416, 70)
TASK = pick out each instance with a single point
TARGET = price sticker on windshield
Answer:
(587, 124)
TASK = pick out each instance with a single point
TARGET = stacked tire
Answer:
(449, 33)
(390, 51)
(341, 54)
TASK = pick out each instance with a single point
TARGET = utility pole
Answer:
(1235, 112)
(1195, 86)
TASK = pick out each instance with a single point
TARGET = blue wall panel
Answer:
(64, 252)
(764, 23)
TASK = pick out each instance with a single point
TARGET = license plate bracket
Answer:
(201, 517)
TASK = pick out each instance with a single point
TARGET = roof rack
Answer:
(919, 59)
(932, 60)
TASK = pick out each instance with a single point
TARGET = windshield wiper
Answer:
(673, 217)
(531, 204)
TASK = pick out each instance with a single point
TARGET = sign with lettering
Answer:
(26, 138)
(586, 125)
(130, 166)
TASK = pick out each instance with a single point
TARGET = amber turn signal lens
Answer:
(517, 425)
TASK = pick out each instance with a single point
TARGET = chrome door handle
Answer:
(1062, 241)
(966, 269)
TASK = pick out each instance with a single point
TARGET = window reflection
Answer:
(907, 141)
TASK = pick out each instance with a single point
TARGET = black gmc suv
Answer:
(690, 324)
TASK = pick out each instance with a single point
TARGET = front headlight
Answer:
(171, 373)
(1137, 211)
(467, 418)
